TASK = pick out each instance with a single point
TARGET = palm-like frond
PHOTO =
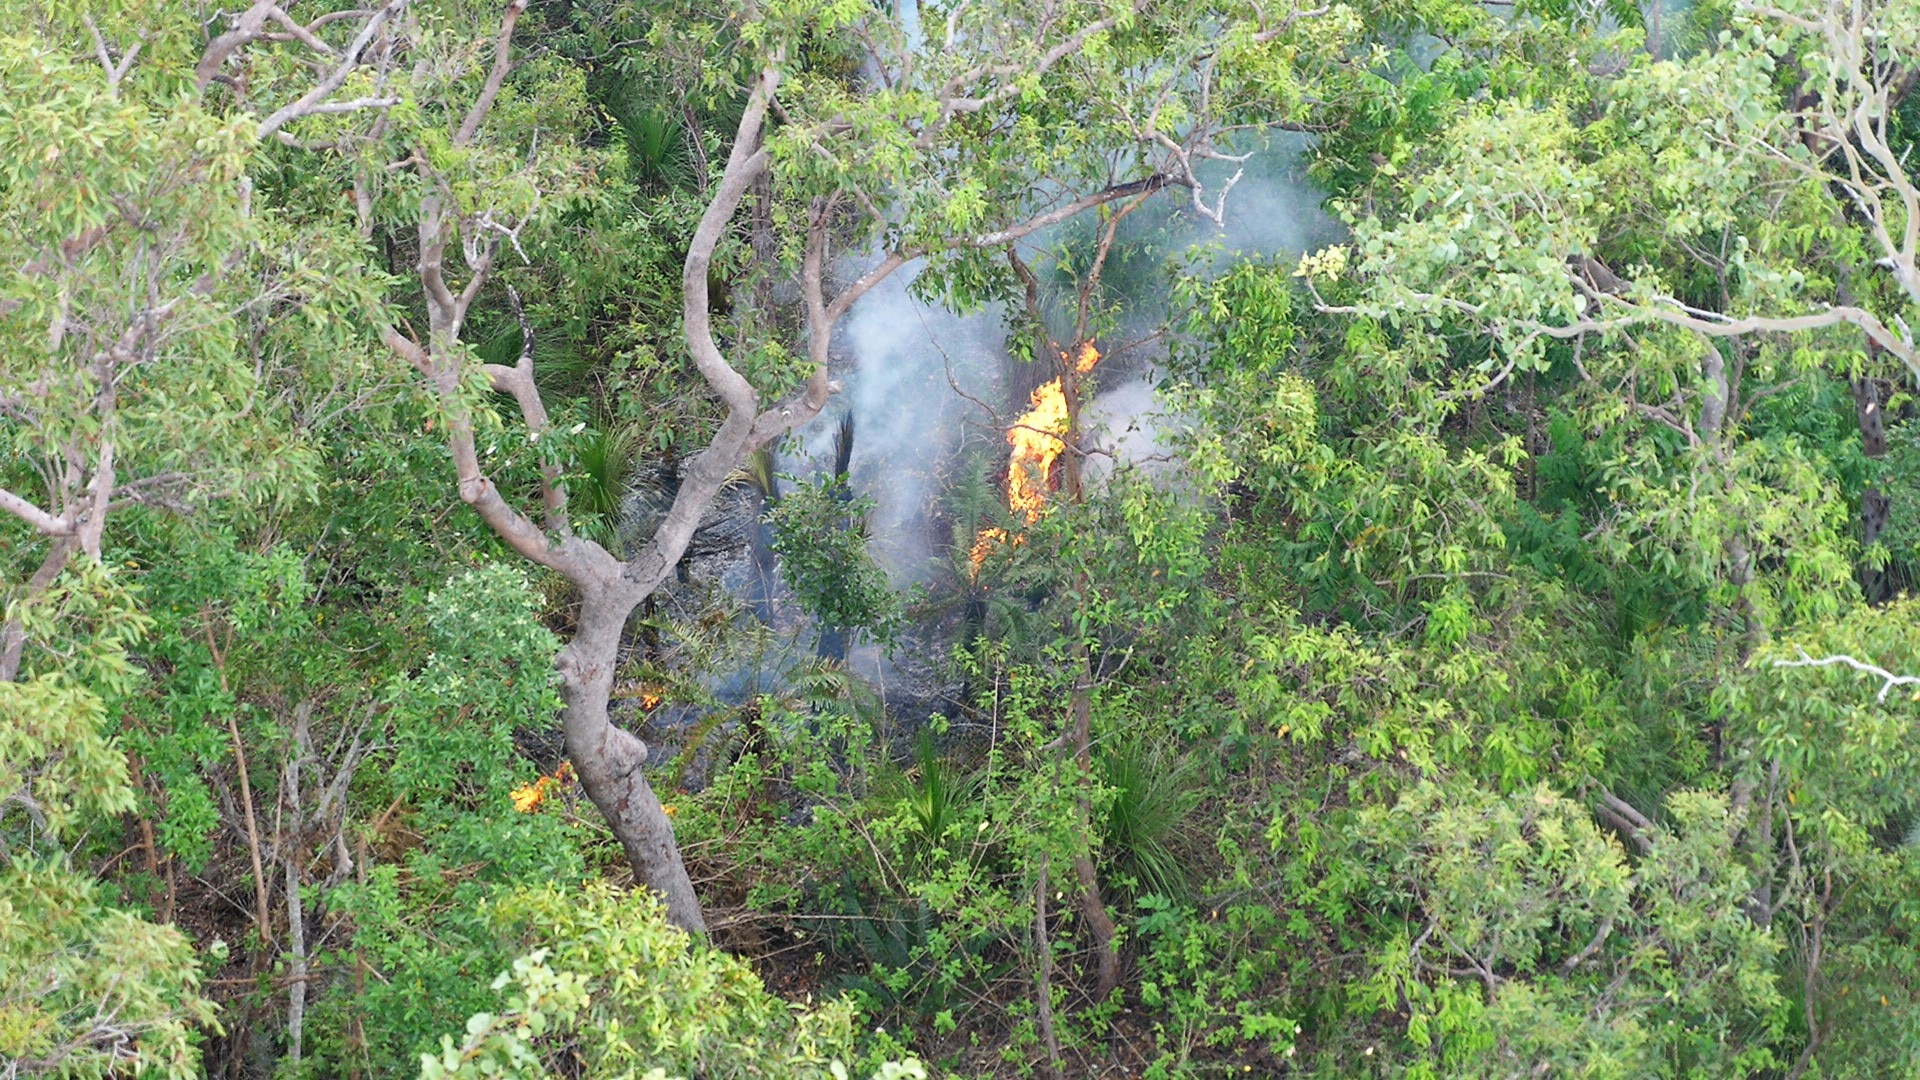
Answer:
(1146, 828)
(606, 464)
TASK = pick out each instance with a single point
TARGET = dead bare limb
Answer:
(1888, 680)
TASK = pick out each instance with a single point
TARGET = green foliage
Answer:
(453, 838)
(606, 462)
(1482, 693)
(932, 799)
(613, 988)
(87, 990)
(820, 536)
(1579, 959)
(1205, 981)
(489, 662)
(57, 755)
(1148, 829)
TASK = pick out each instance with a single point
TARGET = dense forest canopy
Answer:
(985, 538)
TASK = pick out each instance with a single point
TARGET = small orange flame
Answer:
(1089, 356)
(528, 797)
(650, 694)
(1037, 440)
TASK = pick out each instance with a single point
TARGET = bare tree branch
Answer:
(1593, 946)
(301, 34)
(844, 301)
(1888, 680)
(246, 28)
(44, 523)
(1671, 312)
(477, 489)
(744, 164)
(502, 63)
(518, 381)
(116, 72)
(743, 425)
(310, 102)
(1630, 822)
(953, 103)
(1066, 210)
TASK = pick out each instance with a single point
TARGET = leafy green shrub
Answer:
(931, 800)
(820, 536)
(1534, 947)
(86, 990)
(1203, 982)
(453, 840)
(608, 987)
(90, 991)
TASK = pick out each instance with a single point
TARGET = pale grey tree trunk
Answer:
(610, 762)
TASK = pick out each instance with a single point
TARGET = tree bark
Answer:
(1100, 923)
(609, 761)
(1093, 908)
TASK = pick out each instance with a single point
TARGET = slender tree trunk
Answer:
(766, 247)
(1716, 406)
(1099, 922)
(1100, 925)
(296, 923)
(1876, 511)
(760, 547)
(263, 914)
(162, 893)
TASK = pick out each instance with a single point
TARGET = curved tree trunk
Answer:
(609, 761)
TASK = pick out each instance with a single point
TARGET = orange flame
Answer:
(983, 544)
(528, 797)
(650, 694)
(1037, 439)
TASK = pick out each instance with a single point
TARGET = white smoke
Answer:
(901, 359)
(909, 424)
(1273, 208)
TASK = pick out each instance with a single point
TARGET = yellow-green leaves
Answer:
(89, 991)
(636, 998)
(55, 754)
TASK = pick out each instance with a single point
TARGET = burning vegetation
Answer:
(1036, 438)
(527, 798)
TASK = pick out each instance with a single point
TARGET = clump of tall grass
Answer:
(1146, 834)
